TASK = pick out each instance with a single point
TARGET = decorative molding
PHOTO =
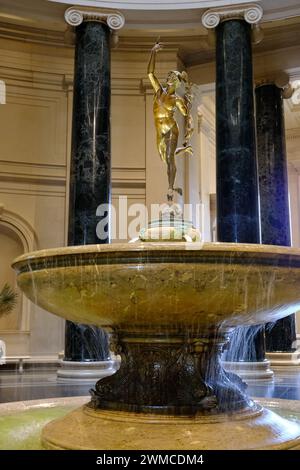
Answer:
(52, 106)
(273, 10)
(23, 188)
(282, 13)
(24, 231)
(25, 78)
(33, 34)
(132, 194)
(44, 173)
(35, 66)
(150, 4)
(46, 23)
(50, 179)
(281, 80)
(15, 332)
(129, 177)
(47, 81)
(191, 39)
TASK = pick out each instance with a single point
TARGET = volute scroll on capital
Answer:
(115, 20)
(252, 13)
(74, 16)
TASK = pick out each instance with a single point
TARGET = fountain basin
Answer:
(170, 308)
(164, 284)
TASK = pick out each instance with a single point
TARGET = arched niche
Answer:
(10, 247)
(16, 237)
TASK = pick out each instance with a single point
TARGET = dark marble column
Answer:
(237, 190)
(90, 180)
(237, 185)
(274, 198)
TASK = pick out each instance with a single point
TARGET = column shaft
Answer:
(90, 180)
(237, 191)
(274, 198)
(237, 185)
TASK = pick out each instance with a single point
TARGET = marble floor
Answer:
(286, 384)
(34, 384)
(41, 383)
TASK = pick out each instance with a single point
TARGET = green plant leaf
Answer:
(8, 300)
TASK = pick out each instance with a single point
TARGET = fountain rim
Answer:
(175, 248)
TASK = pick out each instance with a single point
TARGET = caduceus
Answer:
(166, 102)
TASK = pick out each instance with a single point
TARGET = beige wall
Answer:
(33, 157)
(35, 136)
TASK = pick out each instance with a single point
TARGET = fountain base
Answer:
(256, 428)
(170, 372)
(171, 392)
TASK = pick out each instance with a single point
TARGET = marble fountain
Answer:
(170, 308)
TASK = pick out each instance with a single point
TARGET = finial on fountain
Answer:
(166, 102)
(170, 227)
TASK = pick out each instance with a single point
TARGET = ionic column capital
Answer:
(114, 19)
(279, 79)
(252, 13)
(74, 16)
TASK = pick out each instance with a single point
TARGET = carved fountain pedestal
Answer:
(170, 308)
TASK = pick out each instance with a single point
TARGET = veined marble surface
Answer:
(129, 285)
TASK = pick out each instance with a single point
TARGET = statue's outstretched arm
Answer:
(151, 68)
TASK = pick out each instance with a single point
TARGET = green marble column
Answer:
(237, 188)
(90, 179)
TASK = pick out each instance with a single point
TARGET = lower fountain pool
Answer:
(21, 423)
(170, 309)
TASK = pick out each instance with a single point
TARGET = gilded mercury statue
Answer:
(166, 102)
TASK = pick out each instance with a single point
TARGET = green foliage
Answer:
(8, 300)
